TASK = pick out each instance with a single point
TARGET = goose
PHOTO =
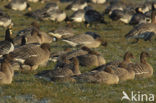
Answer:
(6, 71)
(116, 5)
(98, 1)
(19, 5)
(124, 16)
(76, 5)
(7, 45)
(93, 16)
(142, 69)
(78, 16)
(85, 40)
(139, 17)
(55, 15)
(98, 77)
(5, 20)
(63, 70)
(120, 68)
(144, 31)
(33, 35)
(62, 33)
(43, 13)
(93, 58)
(31, 56)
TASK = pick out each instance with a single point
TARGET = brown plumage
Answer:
(142, 69)
(6, 71)
(98, 77)
(32, 55)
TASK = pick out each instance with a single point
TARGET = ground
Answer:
(25, 88)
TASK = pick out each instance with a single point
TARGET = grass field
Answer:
(25, 88)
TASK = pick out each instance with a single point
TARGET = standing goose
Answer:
(144, 31)
(120, 68)
(142, 69)
(98, 77)
(6, 71)
(31, 55)
(7, 45)
(18, 5)
(93, 16)
(85, 40)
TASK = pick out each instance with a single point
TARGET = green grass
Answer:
(25, 83)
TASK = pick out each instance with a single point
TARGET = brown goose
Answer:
(33, 35)
(85, 40)
(144, 31)
(63, 71)
(119, 68)
(142, 69)
(6, 71)
(93, 58)
(98, 77)
(31, 55)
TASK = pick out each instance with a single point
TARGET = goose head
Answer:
(45, 46)
(128, 56)
(75, 70)
(90, 51)
(143, 57)
(8, 34)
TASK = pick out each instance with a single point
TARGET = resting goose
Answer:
(85, 40)
(31, 56)
(98, 77)
(93, 58)
(142, 69)
(33, 35)
(6, 71)
(7, 45)
(5, 20)
(120, 68)
(63, 70)
(98, 1)
(144, 31)
(76, 5)
(62, 33)
(18, 5)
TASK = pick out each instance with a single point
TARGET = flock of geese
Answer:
(31, 47)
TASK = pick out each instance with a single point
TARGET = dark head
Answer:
(45, 46)
(128, 55)
(35, 32)
(24, 40)
(35, 25)
(144, 54)
(153, 16)
(8, 34)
